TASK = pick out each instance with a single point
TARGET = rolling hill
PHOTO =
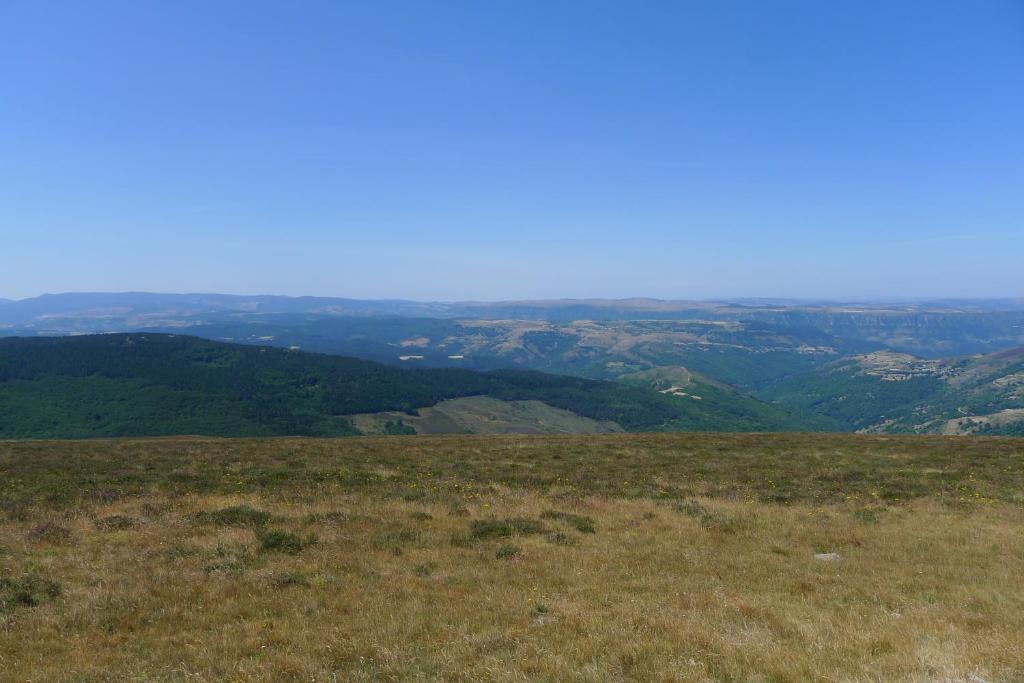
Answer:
(160, 384)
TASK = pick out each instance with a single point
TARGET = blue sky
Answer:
(510, 150)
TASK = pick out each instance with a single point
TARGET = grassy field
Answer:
(677, 557)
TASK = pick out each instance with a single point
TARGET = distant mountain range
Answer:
(130, 305)
(754, 364)
(930, 329)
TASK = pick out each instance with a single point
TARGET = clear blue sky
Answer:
(479, 150)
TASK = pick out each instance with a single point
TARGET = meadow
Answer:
(675, 557)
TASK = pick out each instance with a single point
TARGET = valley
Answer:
(935, 367)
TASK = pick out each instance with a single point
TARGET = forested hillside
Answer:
(156, 384)
(891, 392)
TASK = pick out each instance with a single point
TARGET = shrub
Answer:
(236, 515)
(490, 528)
(507, 551)
(284, 541)
(29, 590)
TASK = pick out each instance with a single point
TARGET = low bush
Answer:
(507, 551)
(29, 590)
(236, 515)
(279, 540)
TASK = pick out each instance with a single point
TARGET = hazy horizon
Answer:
(459, 151)
(895, 300)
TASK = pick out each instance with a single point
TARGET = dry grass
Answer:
(419, 573)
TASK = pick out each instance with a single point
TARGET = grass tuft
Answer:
(279, 540)
(29, 590)
(507, 551)
(115, 523)
(484, 529)
(236, 515)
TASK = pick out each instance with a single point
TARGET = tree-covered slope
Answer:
(156, 384)
(891, 392)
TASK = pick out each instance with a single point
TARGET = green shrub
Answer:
(490, 528)
(507, 551)
(29, 590)
(282, 541)
(236, 515)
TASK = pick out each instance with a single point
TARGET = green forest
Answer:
(160, 384)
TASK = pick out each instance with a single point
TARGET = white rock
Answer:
(826, 557)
